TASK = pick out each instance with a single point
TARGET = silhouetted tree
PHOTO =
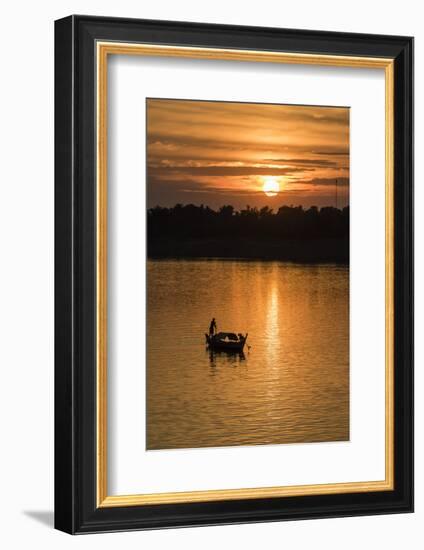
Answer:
(289, 222)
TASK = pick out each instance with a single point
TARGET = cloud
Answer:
(296, 161)
(218, 170)
(330, 152)
(196, 186)
(343, 182)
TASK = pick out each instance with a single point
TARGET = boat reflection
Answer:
(220, 357)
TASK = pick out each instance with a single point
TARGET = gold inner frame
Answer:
(103, 50)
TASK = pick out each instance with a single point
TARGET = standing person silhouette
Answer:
(212, 327)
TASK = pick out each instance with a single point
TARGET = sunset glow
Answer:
(216, 153)
(271, 186)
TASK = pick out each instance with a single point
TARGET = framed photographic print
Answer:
(233, 274)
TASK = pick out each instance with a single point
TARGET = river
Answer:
(292, 383)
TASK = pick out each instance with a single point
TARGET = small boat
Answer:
(226, 341)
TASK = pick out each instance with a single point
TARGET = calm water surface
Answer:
(291, 385)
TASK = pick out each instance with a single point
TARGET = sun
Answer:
(271, 187)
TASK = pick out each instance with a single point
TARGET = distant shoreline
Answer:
(290, 250)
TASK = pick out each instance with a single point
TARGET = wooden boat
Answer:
(226, 341)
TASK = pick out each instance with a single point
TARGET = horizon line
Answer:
(248, 207)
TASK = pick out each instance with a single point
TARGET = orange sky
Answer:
(217, 153)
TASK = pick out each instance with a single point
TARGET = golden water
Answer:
(292, 385)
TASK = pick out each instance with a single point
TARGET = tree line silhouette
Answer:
(202, 222)
(291, 232)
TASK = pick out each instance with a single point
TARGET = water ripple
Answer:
(291, 386)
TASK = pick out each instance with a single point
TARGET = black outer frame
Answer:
(75, 275)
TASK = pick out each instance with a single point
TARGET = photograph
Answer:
(247, 274)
